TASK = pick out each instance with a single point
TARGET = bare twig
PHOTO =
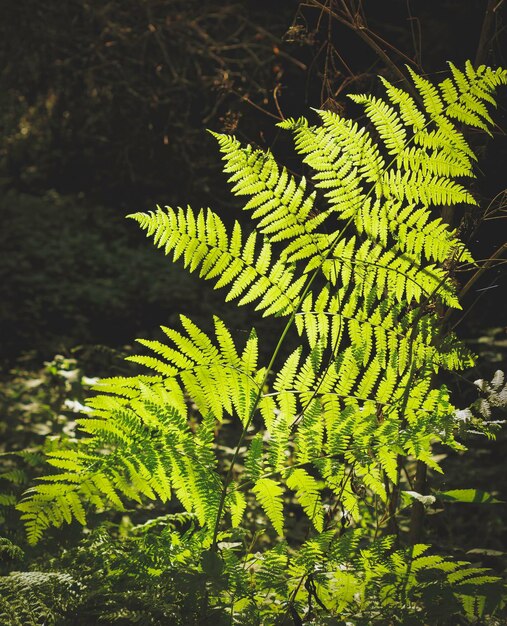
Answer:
(486, 36)
(364, 33)
(498, 253)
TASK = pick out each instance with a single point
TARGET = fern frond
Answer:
(208, 372)
(310, 432)
(308, 494)
(254, 459)
(279, 203)
(269, 494)
(343, 156)
(423, 188)
(153, 453)
(203, 242)
(237, 506)
(413, 118)
(355, 257)
(386, 120)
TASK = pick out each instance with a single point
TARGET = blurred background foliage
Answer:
(111, 98)
(74, 273)
(103, 110)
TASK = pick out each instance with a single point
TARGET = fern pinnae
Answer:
(386, 121)
(273, 284)
(308, 494)
(278, 202)
(237, 506)
(356, 393)
(269, 493)
(257, 402)
(429, 93)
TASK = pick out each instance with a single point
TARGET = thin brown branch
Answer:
(275, 98)
(363, 32)
(256, 106)
(486, 36)
(498, 253)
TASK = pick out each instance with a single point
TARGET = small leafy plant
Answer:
(360, 267)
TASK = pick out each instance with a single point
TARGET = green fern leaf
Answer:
(254, 459)
(269, 494)
(308, 494)
(237, 507)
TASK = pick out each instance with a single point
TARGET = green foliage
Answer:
(161, 572)
(360, 268)
(468, 495)
(33, 405)
(34, 598)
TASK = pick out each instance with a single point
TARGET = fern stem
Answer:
(228, 478)
(276, 351)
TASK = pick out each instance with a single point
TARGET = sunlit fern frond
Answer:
(356, 257)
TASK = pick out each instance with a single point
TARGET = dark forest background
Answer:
(104, 106)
